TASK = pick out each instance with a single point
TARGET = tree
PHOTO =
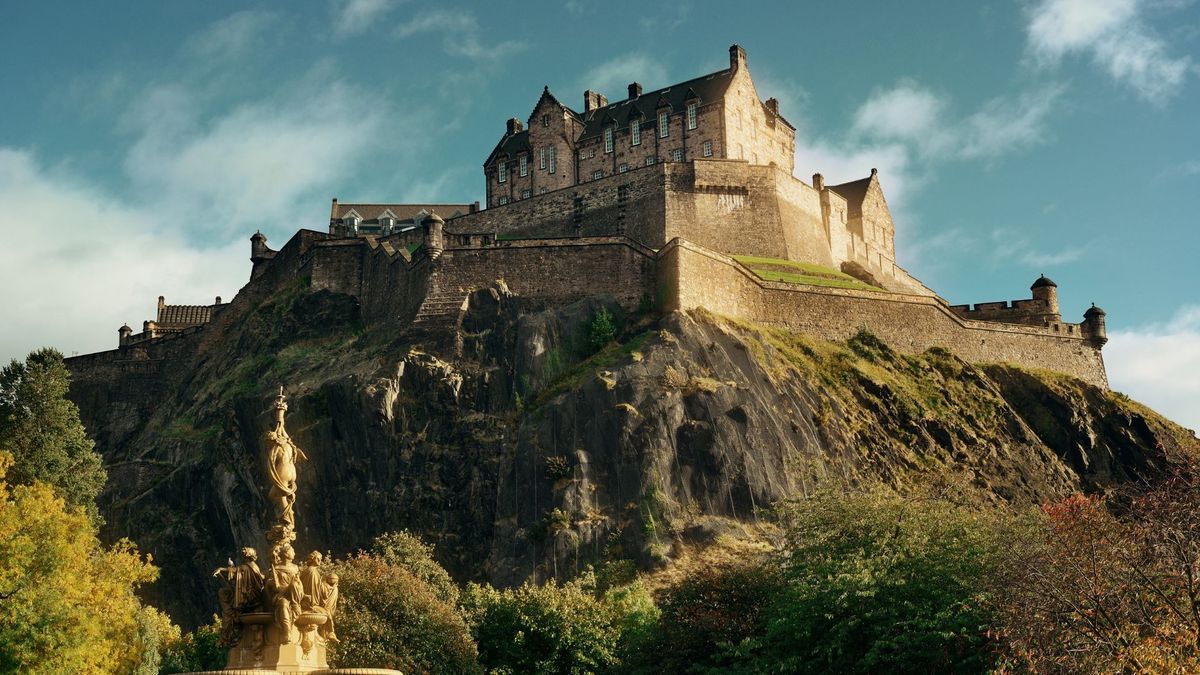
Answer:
(877, 582)
(1102, 593)
(555, 629)
(197, 651)
(390, 617)
(67, 604)
(42, 431)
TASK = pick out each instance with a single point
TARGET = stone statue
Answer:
(281, 467)
(310, 580)
(242, 593)
(285, 593)
(330, 592)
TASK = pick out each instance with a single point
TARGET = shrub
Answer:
(602, 329)
(196, 651)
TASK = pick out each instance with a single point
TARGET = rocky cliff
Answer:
(523, 447)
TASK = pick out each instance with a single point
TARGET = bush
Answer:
(602, 329)
(196, 651)
(556, 628)
(389, 617)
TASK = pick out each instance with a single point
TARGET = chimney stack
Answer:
(514, 126)
(635, 90)
(773, 105)
(737, 57)
(593, 100)
(818, 181)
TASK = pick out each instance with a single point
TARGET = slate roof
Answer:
(511, 145)
(1042, 282)
(854, 191)
(182, 316)
(706, 88)
(371, 212)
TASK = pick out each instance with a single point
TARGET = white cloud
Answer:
(1116, 36)
(1159, 365)
(913, 115)
(231, 35)
(252, 162)
(1009, 246)
(612, 77)
(460, 32)
(77, 262)
(356, 16)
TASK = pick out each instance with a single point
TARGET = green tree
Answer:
(196, 651)
(67, 604)
(877, 582)
(390, 617)
(42, 431)
(557, 629)
(602, 329)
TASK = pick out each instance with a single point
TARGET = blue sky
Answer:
(142, 143)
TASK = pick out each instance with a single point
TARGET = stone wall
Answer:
(696, 277)
(751, 132)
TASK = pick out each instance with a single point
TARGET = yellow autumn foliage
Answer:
(67, 604)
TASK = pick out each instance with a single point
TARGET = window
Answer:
(502, 171)
(503, 200)
(385, 224)
(542, 191)
(623, 168)
(524, 166)
(597, 174)
(663, 128)
(552, 159)
(526, 194)
(542, 158)
(545, 120)
(691, 115)
(708, 148)
(635, 132)
(352, 223)
(608, 141)
(651, 160)
(677, 155)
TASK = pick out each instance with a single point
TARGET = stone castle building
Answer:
(681, 197)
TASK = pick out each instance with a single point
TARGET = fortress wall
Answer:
(335, 265)
(629, 203)
(726, 205)
(804, 227)
(553, 270)
(695, 277)
(393, 286)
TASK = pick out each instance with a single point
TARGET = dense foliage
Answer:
(66, 603)
(389, 616)
(40, 427)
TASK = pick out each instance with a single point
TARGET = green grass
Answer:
(791, 272)
(571, 377)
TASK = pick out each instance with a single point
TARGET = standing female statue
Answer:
(281, 466)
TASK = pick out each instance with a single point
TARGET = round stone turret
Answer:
(258, 247)
(1046, 290)
(1093, 325)
(124, 332)
(434, 236)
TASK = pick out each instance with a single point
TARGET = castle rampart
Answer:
(695, 277)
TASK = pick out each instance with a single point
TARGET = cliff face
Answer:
(523, 452)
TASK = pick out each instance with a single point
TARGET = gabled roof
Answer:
(856, 190)
(402, 212)
(177, 316)
(553, 100)
(511, 145)
(706, 88)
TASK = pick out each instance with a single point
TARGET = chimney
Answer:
(593, 100)
(773, 105)
(635, 90)
(474, 207)
(737, 57)
(514, 125)
(818, 181)
(161, 302)
(218, 300)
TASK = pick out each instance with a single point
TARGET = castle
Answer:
(682, 197)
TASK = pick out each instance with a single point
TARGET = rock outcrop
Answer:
(523, 447)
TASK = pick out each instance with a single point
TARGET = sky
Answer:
(142, 143)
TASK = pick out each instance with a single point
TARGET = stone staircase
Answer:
(440, 311)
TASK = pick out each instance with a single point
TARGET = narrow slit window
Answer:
(691, 115)
(663, 128)
(552, 159)
(542, 158)
(608, 140)
(635, 132)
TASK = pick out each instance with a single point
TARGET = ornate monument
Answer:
(280, 621)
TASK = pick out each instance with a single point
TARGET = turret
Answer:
(1093, 326)
(1045, 290)
(434, 239)
(737, 57)
(258, 247)
(123, 334)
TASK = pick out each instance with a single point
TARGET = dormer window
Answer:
(502, 171)
(663, 117)
(352, 221)
(691, 115)
(386, 224)
(608, 139)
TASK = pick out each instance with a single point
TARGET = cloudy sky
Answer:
(143, 143)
